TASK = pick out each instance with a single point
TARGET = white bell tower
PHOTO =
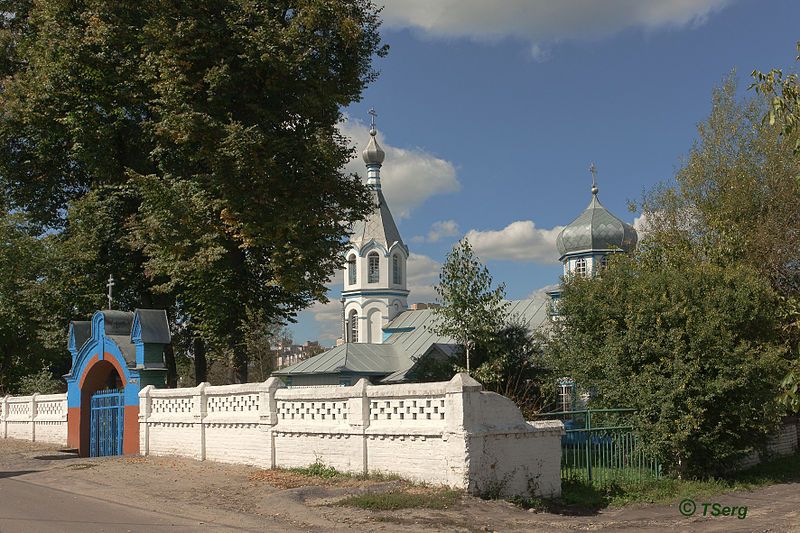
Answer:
(375, 289)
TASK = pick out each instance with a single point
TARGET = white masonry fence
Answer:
(40, 418)
(450, 433)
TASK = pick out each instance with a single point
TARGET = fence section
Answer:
(40, 417)
(450, 433)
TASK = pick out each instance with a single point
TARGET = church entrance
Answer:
(107, 423)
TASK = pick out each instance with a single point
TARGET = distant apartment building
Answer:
(290, 354)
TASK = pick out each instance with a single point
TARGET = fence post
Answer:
(589, 444)
(145, 407)
(33, 416)
(5, 416)
(358, 417)
(199, 415)
(268, 412)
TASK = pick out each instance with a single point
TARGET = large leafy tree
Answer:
(735, 202)
(692, 345)
(214, 123)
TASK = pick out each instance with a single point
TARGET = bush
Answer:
(691, 345)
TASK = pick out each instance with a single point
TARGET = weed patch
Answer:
(403, 499)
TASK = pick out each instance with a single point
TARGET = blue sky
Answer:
(491, 113)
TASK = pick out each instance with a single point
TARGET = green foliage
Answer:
(693, 346)
(42, 382)
(190, 150)
(509, 362)
(471, 312)
(784, 96)
(585, 496)
(734, 200)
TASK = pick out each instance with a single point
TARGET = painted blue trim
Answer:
(367, 292)
(98, 344)
(400, 330)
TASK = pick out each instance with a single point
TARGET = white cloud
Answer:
(439, 230)
(423, 274)
(519, 241)
(408, 177)
(544, 20)
(539, 53)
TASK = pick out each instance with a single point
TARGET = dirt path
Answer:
(145, 494)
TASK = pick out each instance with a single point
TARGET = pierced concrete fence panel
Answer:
(450, 433)
(40, 418)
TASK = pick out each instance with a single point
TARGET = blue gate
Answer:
(108, 408)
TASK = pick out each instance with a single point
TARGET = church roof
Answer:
(596, 229)
(410, 337)
(358, 358)
(378, 226)
(154, 326)
(81, 330)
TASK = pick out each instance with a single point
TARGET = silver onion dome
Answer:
(596, 230)
(373, 154)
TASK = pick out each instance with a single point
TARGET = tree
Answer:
(693, 346)
(784, 97)
(510, 362)
(735, 201)
(218, 118)
(471, 312)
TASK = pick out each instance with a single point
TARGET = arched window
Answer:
(373, 268)
(351, 270)
(397, 275)
(603, 263)
(580, 267)
(353, 326)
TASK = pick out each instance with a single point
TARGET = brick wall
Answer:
(449, 433)
(40, 418)
(785, 442)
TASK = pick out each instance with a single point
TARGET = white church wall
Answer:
(39, 418)
(449, 433)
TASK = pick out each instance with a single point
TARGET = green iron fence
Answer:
(601, 447)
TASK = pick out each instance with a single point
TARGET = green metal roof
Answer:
(410, 337)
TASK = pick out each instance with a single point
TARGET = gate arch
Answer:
(116, 350)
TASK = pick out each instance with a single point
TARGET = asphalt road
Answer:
(27, 507)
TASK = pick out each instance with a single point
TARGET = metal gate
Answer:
(601, 447)
(107, 407)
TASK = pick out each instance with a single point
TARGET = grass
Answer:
(323, 471)
(401, 495)
(403, 499)
(581, 496)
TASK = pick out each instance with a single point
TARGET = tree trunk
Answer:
(200, 362)
(239, 363)
(172, 369)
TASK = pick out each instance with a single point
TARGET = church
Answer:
(383, 338)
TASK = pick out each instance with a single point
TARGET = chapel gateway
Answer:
(383, 338)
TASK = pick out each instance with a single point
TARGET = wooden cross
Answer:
(110, 286)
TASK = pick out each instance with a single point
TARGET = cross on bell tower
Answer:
(372, 114)
(593, 170)
(110, 286)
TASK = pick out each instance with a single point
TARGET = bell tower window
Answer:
(373, 268)
(397, 275)
(353, 326)
(351, 270)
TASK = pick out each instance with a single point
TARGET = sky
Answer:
(492, 112)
